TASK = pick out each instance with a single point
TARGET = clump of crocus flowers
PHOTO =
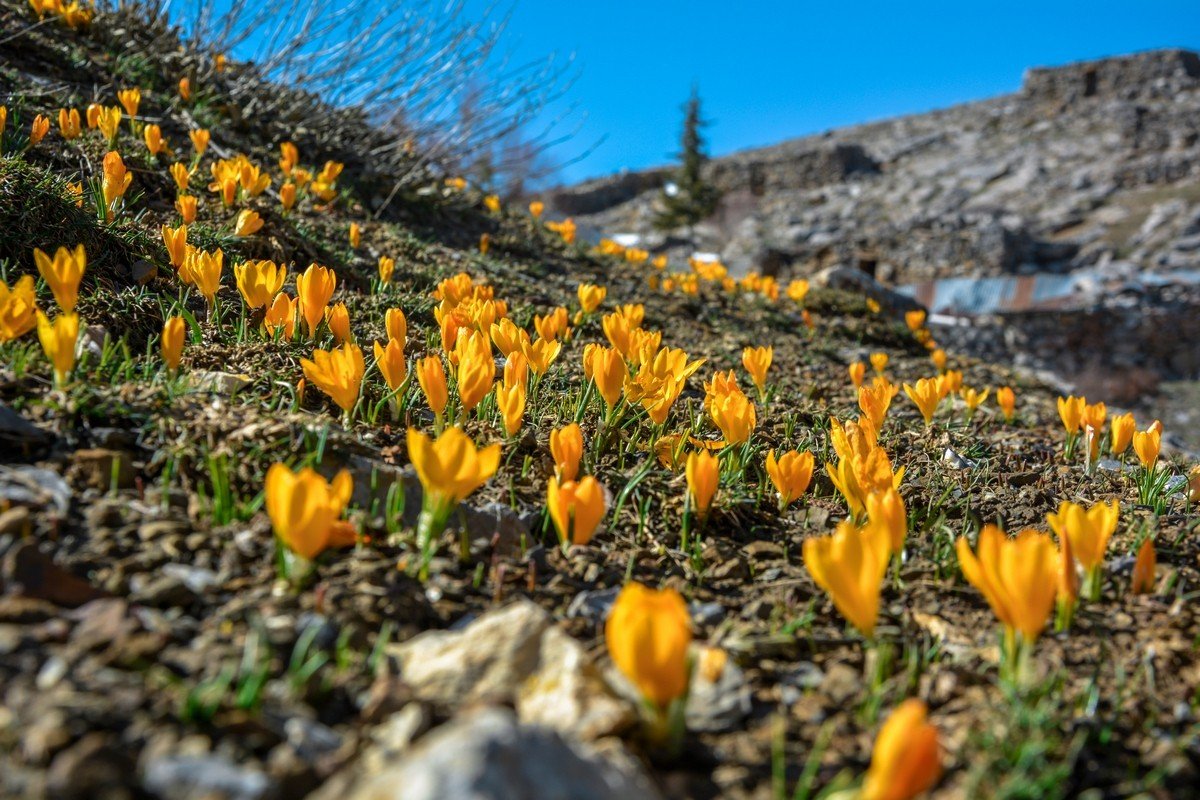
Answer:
(863, 467)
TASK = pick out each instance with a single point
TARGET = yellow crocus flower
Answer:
(703, 473)
(63, 274)
(648, 634)
(1147, 445)
(200, 138)
(849, 565)
(38, 129)
(396, 325)
(915, 319)
(1017, 577)
(152, 135)
(566, 447)
(338, 373)
(1123, 428)
(874, 401)
(541, 354)
(757, 360)
(1070, 410)
(306, 510)
(857, 371)
(797, 290)
(508, 337)
(314, 289)
(248, 223)
(289, 157)
(171, 345)
(1089, 531)
(926, 396)
(337, 318)
(476, 368)
(607, 368)
(203, 269)
(108, 120)
(185, 204)
(552, 325)
(450, 468)
(735, 415)
(590, 296)
(259, 281)
(576, 508)
(973, 398)
(69, 123)
(175, 240)
(281, 316)
(431, 376)
(790, 474)
(1094, 416)
(18, 306)
(886, 508)
(391, 363)
(1006, 398)
(1143, 579)
(938, 357)
(510, 399)
(387, 266)
(130, 99)
(906, 761)
(116, 180)
(58, 340)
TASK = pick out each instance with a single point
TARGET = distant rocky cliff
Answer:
(1087, 164)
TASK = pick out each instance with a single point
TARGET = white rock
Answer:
(516, 655)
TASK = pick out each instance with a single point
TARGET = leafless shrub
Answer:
(433, 78)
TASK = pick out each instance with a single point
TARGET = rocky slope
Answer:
(151, 645)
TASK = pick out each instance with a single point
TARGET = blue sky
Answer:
(771, 70)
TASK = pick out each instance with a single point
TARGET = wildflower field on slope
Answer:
(273, 411)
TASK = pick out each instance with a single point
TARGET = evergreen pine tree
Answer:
(694, 198)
